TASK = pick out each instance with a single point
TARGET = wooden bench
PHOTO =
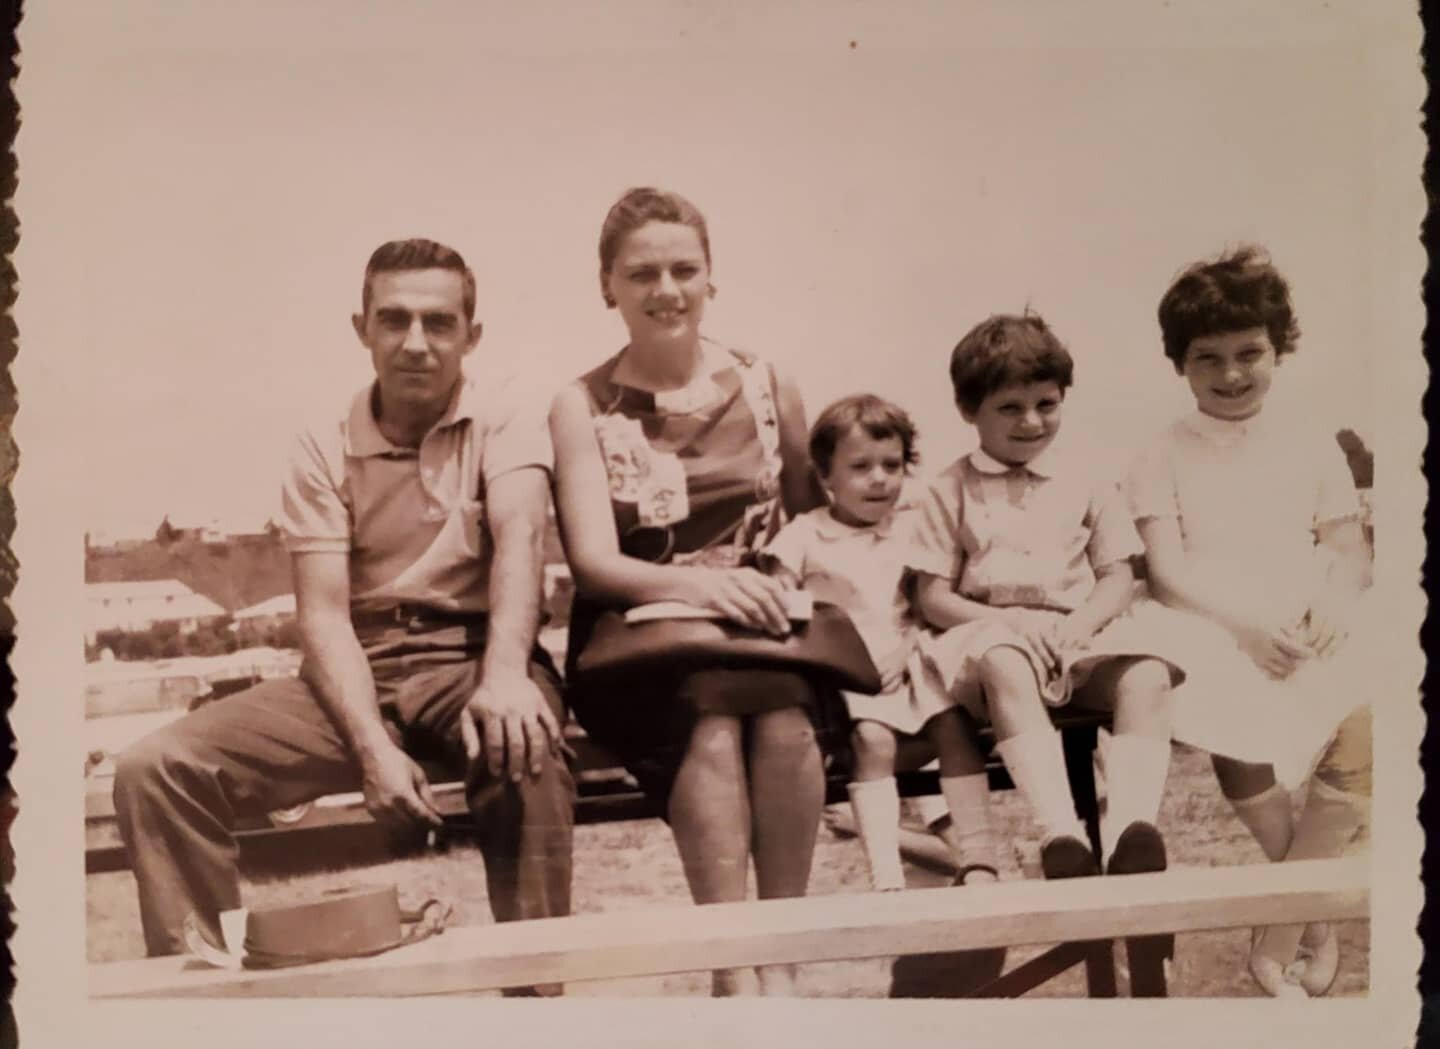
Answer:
(626, 943)
(605, 793)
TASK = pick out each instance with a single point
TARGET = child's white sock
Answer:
(876, 803)
(1269, 819)
(1135, 771)
(971, 838)
(1036, 761)
(1329, 820)
(930, 808)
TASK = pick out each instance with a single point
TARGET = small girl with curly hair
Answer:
(857, 553)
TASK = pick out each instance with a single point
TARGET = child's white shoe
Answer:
(1276, 980)
(1320, 951)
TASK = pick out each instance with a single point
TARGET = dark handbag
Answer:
(826, 646)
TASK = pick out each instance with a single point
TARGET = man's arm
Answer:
(339, 674)
(507, 721)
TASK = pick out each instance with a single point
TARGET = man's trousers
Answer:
(179, 790)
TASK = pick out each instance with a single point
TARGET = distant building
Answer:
(138, 606)
(205, 531)
(271, 612)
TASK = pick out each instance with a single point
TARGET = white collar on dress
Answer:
(1046, 464)
(1225, 432)
(829, 528)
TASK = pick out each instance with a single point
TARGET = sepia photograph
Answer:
(907, 516)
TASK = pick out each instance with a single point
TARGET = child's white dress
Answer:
(1029, 537)
(863, 571)
(1249, 497)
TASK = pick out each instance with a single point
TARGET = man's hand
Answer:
(396, 790)
(509, 726)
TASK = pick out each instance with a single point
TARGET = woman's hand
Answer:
(741, 595)
(1276, 651)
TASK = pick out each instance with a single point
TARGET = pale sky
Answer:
(222, 174)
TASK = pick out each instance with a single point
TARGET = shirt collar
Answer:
(363, 438)
(827, 527)
(1046, 464)
(1224, 431)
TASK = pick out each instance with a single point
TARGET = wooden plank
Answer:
(811, 929)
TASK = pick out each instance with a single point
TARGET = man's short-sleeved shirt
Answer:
(1030, 535)
(411, 520)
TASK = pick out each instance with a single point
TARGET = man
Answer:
(414, 519)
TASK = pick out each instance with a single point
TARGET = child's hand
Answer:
(1324, 628)
(892, 667)
(1068, 635)
(1277, 652)
(1036, 628)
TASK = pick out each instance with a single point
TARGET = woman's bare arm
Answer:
(602, 571)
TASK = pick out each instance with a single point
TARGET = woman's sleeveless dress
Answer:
(694, 479)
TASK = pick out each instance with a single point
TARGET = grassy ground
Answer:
(633, 865)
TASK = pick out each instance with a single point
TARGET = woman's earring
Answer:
(710, 290)
(609, 301)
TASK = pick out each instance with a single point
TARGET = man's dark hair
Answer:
(417, 253)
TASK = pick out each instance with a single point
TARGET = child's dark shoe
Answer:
(1139, 850)
(976, 874)
(1067, 856)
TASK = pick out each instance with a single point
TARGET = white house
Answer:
(270, 612)
(137, 606)
(274, 607)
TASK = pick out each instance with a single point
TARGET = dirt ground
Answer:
(633, 865)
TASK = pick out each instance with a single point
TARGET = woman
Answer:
(674, 461)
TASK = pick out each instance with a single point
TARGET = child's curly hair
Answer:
(1241, 289)
(1006, 350)
(874, 415)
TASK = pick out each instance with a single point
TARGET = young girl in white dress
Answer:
(1251, 526)
(857, 553)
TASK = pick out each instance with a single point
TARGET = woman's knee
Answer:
(786, 731)
(714, 740)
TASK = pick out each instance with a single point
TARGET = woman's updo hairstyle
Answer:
(634, 209)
